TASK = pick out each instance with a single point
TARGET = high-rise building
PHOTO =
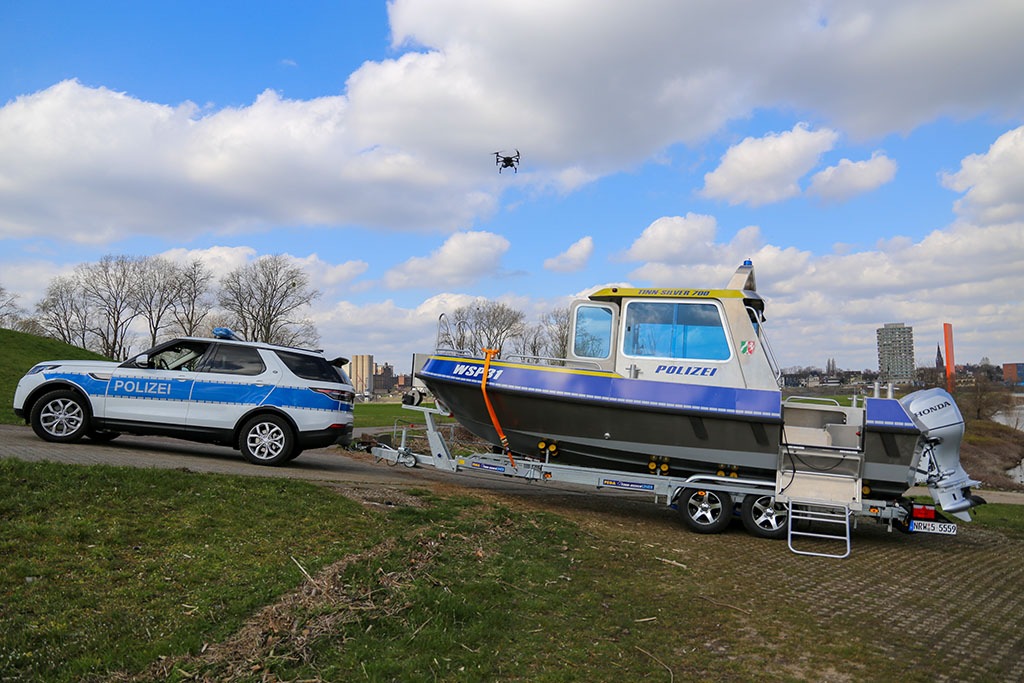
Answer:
(896, 353)
(361, 373)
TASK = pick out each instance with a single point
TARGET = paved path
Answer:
(330, 465)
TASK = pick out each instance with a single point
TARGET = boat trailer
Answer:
(814, 501)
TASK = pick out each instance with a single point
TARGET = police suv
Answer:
(270, 402)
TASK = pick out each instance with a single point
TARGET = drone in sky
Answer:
(502, 161)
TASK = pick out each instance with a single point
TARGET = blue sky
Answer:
(869, 157)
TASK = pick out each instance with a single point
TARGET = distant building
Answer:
(1013, 373)
(361, 373)
(383, 378)
(896, 353)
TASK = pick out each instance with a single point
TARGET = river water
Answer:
(1013, 418)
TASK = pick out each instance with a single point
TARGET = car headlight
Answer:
(42, 367)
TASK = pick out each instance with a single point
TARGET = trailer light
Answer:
(652, 466)
(720, 473)
(866, 490)
(541, 446)
(923, 512)
(664, 467)
(873, 510)
(552, 448)
(547, 475)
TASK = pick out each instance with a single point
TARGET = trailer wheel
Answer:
(763, 517)
(706, 512)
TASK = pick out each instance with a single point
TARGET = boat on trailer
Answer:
(682, 384)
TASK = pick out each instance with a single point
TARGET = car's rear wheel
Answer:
(61, 416)
(267, 440)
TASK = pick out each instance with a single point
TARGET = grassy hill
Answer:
(18, 353)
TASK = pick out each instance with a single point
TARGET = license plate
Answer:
(933, 527)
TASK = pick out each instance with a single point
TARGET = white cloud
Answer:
(93, 166)
(220, 260)
(690, 239)
(601, 87)
(326, 275)
(993, 182)
(572, 259)
(463, 258)
(848, 179)
(765, 170)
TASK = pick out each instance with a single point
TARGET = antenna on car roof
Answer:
(226, 333)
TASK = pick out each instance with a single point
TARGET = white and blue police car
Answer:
(270, 402)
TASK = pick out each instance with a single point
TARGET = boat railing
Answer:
(454, 341)
(817, 400)
(548, 360)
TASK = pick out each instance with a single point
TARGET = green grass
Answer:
(1007, 518)
(109, 568)
(18, 353)
(385, 415)
(119, 572)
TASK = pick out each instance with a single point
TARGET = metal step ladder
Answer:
(832, 522)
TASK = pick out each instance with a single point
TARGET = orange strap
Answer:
(488, 353)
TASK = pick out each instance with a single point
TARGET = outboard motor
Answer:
(937, 416)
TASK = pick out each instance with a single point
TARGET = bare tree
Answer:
(556, 328)
(265, 300)
(532, 341)
(158, 289)
(982, 399)
(63, 312)
(110, 288)
(10, 312)
(194, 301)
(491, 323)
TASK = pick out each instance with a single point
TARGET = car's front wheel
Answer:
(60, 416)
(267, 440)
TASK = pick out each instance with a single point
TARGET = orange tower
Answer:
(947, 333)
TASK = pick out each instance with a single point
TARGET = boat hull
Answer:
(600, 419)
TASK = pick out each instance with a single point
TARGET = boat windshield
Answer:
(675, 330)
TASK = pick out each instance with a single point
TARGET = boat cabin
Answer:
(711, 337)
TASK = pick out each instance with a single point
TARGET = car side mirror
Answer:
(142, 360)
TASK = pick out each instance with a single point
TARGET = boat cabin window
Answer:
(675, 330)
(593, 337)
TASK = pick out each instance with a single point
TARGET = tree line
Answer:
(100, 305)
(488, 324)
